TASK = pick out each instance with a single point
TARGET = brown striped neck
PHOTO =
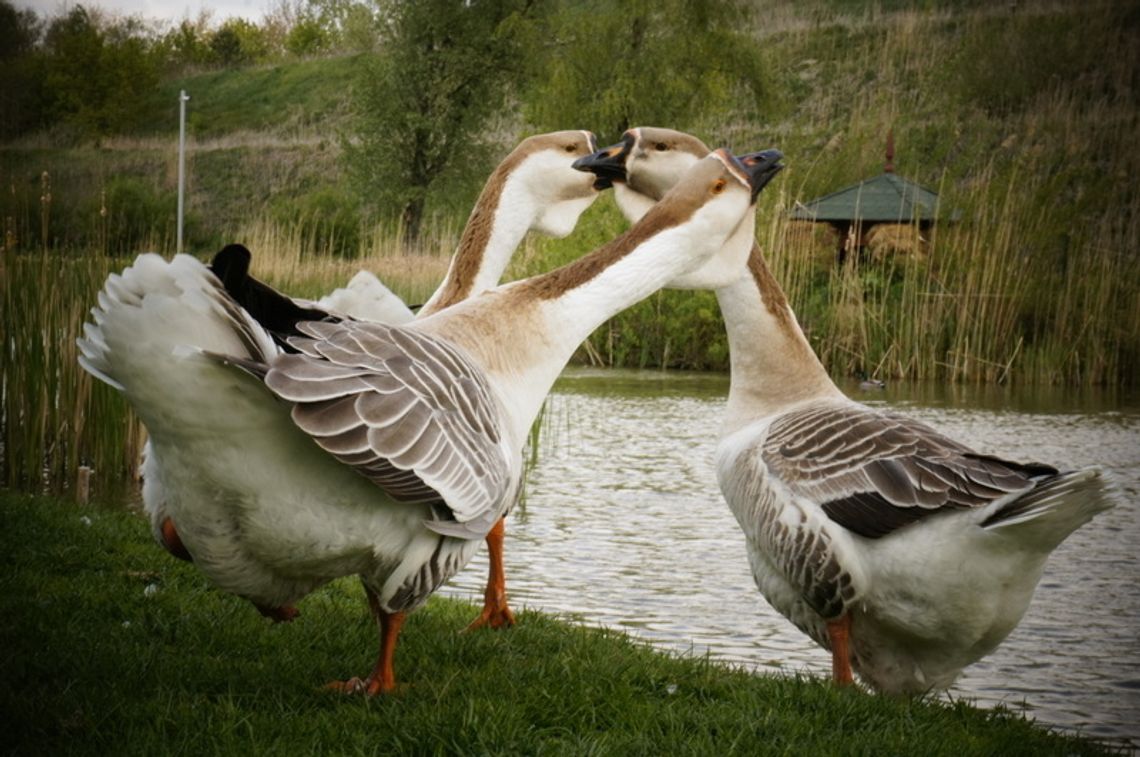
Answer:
(475, 258)
(533, 188)
(562, 280)
(523, 334)
(773, 365)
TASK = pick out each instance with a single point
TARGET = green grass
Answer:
(109, 646)
(280, 99)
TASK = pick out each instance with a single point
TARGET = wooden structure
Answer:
(888, 198)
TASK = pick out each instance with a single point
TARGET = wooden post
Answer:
(83, 485)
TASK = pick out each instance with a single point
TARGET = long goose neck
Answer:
(500, 219)
(523, 334)
(773, 365)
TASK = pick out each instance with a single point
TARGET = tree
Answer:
(95, 76)
(187, 44)
(21, 71)
(421, 103)
(612, 64)
(308, 36)
(238, 42)
(352, 24)
(19, 30)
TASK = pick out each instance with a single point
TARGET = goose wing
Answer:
(407, 411)
(875, 472)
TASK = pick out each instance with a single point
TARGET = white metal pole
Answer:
(182, 98)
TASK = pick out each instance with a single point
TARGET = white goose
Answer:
(533, 189)
(382, 451)
(905, 553)
(365, 298)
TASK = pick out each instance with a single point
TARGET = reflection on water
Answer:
(625, 527)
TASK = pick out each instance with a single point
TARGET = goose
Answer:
(386, 452)
(905, 553)
(365, 298)
(533, 188)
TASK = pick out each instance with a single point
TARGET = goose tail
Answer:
(367, 299)
(156, 310)
(1056, 507)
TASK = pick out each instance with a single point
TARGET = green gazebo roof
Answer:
(887, 198)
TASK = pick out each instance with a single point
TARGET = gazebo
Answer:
(888, 198)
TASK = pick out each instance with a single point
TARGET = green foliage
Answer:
(307, 37)
(132, 210)
(21, 72)
(238, 42)
(347, 25)
(328, 217)
(421, 107)
(607, 66)
(19, 31)
(185, 46)
(110, 646)
(93, 76)
(1002, 66)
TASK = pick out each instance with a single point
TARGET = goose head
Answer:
(534, 188)
(723, 188)
(649, 161)
(541, 169)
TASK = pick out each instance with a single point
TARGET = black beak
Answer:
(761, 168)
(608, 164)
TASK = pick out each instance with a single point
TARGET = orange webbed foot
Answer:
(496, 613)
(369, 687)
(493, 616)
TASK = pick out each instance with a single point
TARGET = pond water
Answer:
(624, 526)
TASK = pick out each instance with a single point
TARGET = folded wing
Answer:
(874, 472)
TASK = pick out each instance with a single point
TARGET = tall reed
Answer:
(54, 416)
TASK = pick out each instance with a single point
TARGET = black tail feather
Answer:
(277, 313)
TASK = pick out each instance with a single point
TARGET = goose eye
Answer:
(718, 186)
(661, 147)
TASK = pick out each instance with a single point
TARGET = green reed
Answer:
(55, 417)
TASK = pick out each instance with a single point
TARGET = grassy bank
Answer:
(109, 646)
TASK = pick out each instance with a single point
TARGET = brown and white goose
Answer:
(904, 552)
(382, 451)
(533, 189)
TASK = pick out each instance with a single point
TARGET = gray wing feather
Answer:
(407, 411)
(875, 472)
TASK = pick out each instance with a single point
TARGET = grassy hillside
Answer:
(1022, 116)
(306, 99)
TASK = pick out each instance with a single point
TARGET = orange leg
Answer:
(383, 677)
(496, 613)
(172, 542)
(839, 632)
(282, 614)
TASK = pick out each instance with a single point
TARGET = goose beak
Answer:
(608, 164)
(761, 168)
